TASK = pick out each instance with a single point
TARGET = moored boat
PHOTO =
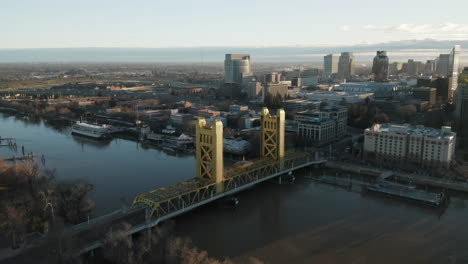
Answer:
(91, 130)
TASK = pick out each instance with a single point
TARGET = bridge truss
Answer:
(188, 193)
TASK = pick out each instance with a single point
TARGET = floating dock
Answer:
(388, 188)
(430, 198)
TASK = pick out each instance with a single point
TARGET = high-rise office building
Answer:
(443, 65)
(273, 77)
(453, 66)
(430, 67)
(330, 65)
(413, 68)
(443, 87)
(346, 65)
(462, 104)
(236, 67)
(380, 67)
(395, 68)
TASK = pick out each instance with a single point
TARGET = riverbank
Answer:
(119, 169)
(304, 222)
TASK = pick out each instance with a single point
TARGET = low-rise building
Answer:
(254, 90)
(249, 121)
(426, 94)
(420, 145)
(388, 106)
(300, 105)
(319, 127)
(204, 112)
(380, 90)
(316, 131)
(238, 108)
(180, 119)
(276, 88)
(236, 146)
(335, 97)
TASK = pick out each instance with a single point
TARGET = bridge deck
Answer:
(168, 202)
(178, 196)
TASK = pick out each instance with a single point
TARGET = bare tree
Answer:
(72, 202)
(16, 224)
(121, 248)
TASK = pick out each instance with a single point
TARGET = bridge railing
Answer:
(177, 197)
(261, 169)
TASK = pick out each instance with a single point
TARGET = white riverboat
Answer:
(91, 130)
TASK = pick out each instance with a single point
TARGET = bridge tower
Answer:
(272, 135)
(209, 143)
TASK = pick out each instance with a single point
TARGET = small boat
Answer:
(229, 202)
(290, 178)
(90, 130)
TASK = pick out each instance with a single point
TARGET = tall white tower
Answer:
(236, 67)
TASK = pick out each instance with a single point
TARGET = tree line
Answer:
(33, 201)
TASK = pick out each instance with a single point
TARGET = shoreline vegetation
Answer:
(37, 210)
(33, 201)
(157, 246)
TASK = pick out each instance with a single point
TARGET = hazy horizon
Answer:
(399, 51)
(203, 31)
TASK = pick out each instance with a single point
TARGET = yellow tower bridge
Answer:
(213, 181)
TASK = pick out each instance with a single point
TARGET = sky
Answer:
(232, 23)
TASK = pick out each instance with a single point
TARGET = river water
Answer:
(305, 222)
(119, 169)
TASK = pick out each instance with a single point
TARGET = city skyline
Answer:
(236, 132)
(149, 24)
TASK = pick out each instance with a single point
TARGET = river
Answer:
(119, 169)
(305, 222)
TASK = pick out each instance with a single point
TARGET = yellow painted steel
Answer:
(272, 134)
(211, 179)
(176, 197)
(209, 143)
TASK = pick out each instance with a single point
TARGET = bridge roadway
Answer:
(88, 236)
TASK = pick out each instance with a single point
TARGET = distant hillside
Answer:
(397, 51)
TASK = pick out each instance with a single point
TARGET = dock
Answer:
(387, 188)
(426, 180)
(429, 198)
(24, 158)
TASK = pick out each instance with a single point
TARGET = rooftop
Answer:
(423, 88)
(308, 113)
(317, 120)
(444, 133)
(370, 84)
